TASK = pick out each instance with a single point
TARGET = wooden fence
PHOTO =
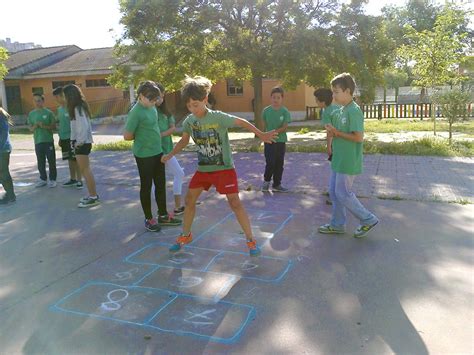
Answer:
(380, 111)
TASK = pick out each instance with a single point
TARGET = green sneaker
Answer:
(169, 221)
(362, 231)
(328, 229)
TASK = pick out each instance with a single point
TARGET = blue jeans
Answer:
(343, 198)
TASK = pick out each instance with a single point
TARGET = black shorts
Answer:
(83, 149)
(66, 149)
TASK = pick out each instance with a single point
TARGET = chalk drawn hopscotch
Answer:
(195, 281)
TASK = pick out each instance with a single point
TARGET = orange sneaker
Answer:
(254, 250)
(180, 242)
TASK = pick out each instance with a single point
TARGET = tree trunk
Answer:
(384, 94)
(396, 95)
(257, 103)
(450, 131)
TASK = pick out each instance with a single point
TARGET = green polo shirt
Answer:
(42, 135)
(274, 119)
(64, 129)
(164, 122)
(328, 112)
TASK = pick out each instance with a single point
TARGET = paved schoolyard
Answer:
(94, 281)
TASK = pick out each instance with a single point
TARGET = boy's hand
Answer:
(332, 131)
(269, 137)
(165, 158)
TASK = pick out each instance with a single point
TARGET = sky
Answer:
(85, 23)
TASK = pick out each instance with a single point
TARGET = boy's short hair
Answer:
(149, 89)
(41, 96)
(196, 88)
(323, 95)
(58, 91)
(344, 81)
(277, 90)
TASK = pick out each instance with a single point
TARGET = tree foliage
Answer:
(3, 58)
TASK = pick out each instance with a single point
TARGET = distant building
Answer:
(16, 46)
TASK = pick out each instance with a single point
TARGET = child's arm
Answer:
(282, 129)
(267, 137)
(357, 136)
(329, 143)
(169, 131)
(128, 136)
(183, 142)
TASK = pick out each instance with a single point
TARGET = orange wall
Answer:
(294, 100)
(91, 94)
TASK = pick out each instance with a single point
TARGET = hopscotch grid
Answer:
(146, 324)
(252, 313)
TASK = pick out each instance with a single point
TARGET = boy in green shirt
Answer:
(275, 117)
(64, 132)
(209, 130)
(347, 132)
(42, 123)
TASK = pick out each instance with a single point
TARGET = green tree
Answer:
(393, 79)
(453, 106)
(243, 40)
(436, 53)
(3, 58)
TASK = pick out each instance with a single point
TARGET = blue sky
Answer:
(85, 23)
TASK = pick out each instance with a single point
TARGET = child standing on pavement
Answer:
(5, 150)
(167, 127)
(64, 132)
(142, 127)
(347, 132)
(325, 102)
(81, 138)
(42, 123)
(275, 117)
(209, 130)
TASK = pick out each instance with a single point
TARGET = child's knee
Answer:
(235, 203)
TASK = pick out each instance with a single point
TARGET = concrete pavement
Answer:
(94, 281)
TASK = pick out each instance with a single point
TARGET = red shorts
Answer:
(225, 181)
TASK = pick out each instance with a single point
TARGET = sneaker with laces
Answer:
(362, 231)
(79, 185)
(254, 249)
(152, 225)
(180, 242)
(328, 229)
(52, 183)
(69, 183)
(5, 200)
(41, 183)
(88, 202)
(266, 186)
(280, 188)
(178, 211)
(168, 221)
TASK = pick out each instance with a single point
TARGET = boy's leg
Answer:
(244, 221)
(51, 156)
(269, 151)
(338, 217)
(40, 151)
(347, 198)
(145, 170)
(280, 148)
(190, 209)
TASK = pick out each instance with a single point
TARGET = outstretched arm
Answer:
(267, 137)
(183, 142)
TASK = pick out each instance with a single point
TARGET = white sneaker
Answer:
(41, 183)
(52, 183)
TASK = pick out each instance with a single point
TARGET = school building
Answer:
(40, 70)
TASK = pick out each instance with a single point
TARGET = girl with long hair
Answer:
(167, 126)
(81, 140)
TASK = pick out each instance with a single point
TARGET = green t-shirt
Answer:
(327, 115)
(64, 129)
(274, 119)
(164, 123)
(347, 155)
(143, 123)
(210, 135)
(42, 135)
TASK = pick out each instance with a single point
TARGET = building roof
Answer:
(98, 59)
(27, 56)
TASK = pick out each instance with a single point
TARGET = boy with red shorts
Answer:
(208, 128)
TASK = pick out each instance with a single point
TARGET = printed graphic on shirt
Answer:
(209, 144)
